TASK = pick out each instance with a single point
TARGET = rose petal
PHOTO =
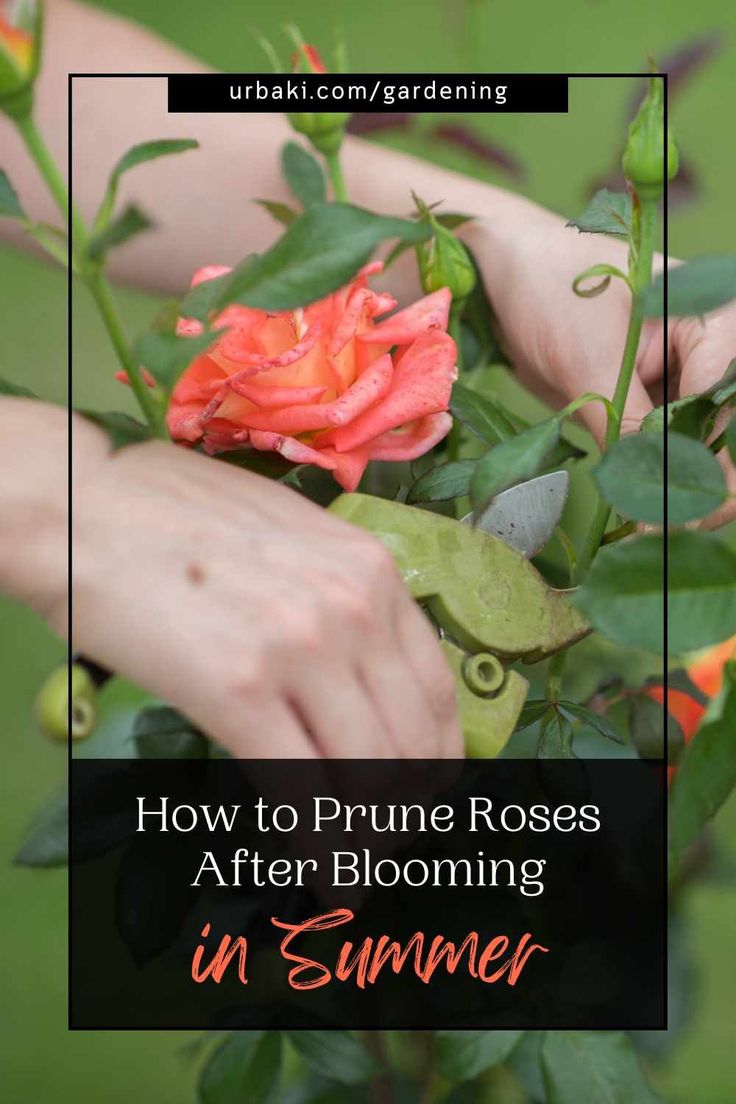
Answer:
(291, 449)
(431, 312)
(270, 398)
(209, 272)
(407, 444)
(421, 385)
(368, 389)
(349, 466)
(258, 363)
(183, 421)
(295, 353)
(122, 377)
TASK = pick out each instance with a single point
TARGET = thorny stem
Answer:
(640, 276)
(94, 280)
(554, 676)
(618, 534)
(641, 255)
(100, 291)
(337, 179)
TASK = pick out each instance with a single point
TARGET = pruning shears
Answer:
(473, 576)
(491, 606)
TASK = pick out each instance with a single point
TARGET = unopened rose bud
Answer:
(643, 159)
(324, 129)
(20, 57)
(445, 262)
(52, 704)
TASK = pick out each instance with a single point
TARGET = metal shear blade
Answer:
(526, 516)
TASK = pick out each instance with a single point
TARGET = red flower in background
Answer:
(706, 673)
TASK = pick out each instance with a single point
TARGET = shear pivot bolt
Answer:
(483, 673)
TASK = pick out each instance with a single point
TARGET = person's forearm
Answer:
(201, 202)
(33, 502)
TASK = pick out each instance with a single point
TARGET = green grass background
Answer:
(41, 1061)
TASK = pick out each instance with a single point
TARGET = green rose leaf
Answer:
(480, 415)
(631, 478)
(513, 461)
(725, 390)
(463, 1055)
(166, 355)
(707, 771)
(607, 213)
(16, 390)
(303, 174)
(160, 732)
(46, 842)
(451, 480)
(622, 592)
(136, 155)
(120, 428)
(243, 1070)
(647, 729)
(121, 229)
(336, 1055)
(555, 741)
(321, 250)
(691, 416)
(9, 203)
(532, 712)
(593, 720)
(694, 288)
(280, 211)
(679, 679)
(694, 415)
(597, 1067)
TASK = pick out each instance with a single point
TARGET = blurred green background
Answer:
(561, 157)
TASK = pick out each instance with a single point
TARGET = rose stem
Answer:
(95, 281)
(337, 179)
(640, 276)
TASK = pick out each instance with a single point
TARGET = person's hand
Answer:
(562, 345)
(279, 629)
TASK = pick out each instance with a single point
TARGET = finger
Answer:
(338, 711)
(419, 643)
(704, 348)
(401, 703)
(726, 512)
(269, 731)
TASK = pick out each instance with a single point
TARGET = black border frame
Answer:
(635, 75)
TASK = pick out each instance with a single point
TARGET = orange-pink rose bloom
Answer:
(329, 384)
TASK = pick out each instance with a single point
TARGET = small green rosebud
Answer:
(444, 261)
(643, 158)
(20, 58)
(325, 130)
(52, 704)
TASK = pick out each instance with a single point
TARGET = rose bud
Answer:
(332, 384)
(52, 704)
(325, 130)
(643, 158)
(20, 57)
(445, 262)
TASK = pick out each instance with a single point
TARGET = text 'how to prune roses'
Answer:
(336, 384)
